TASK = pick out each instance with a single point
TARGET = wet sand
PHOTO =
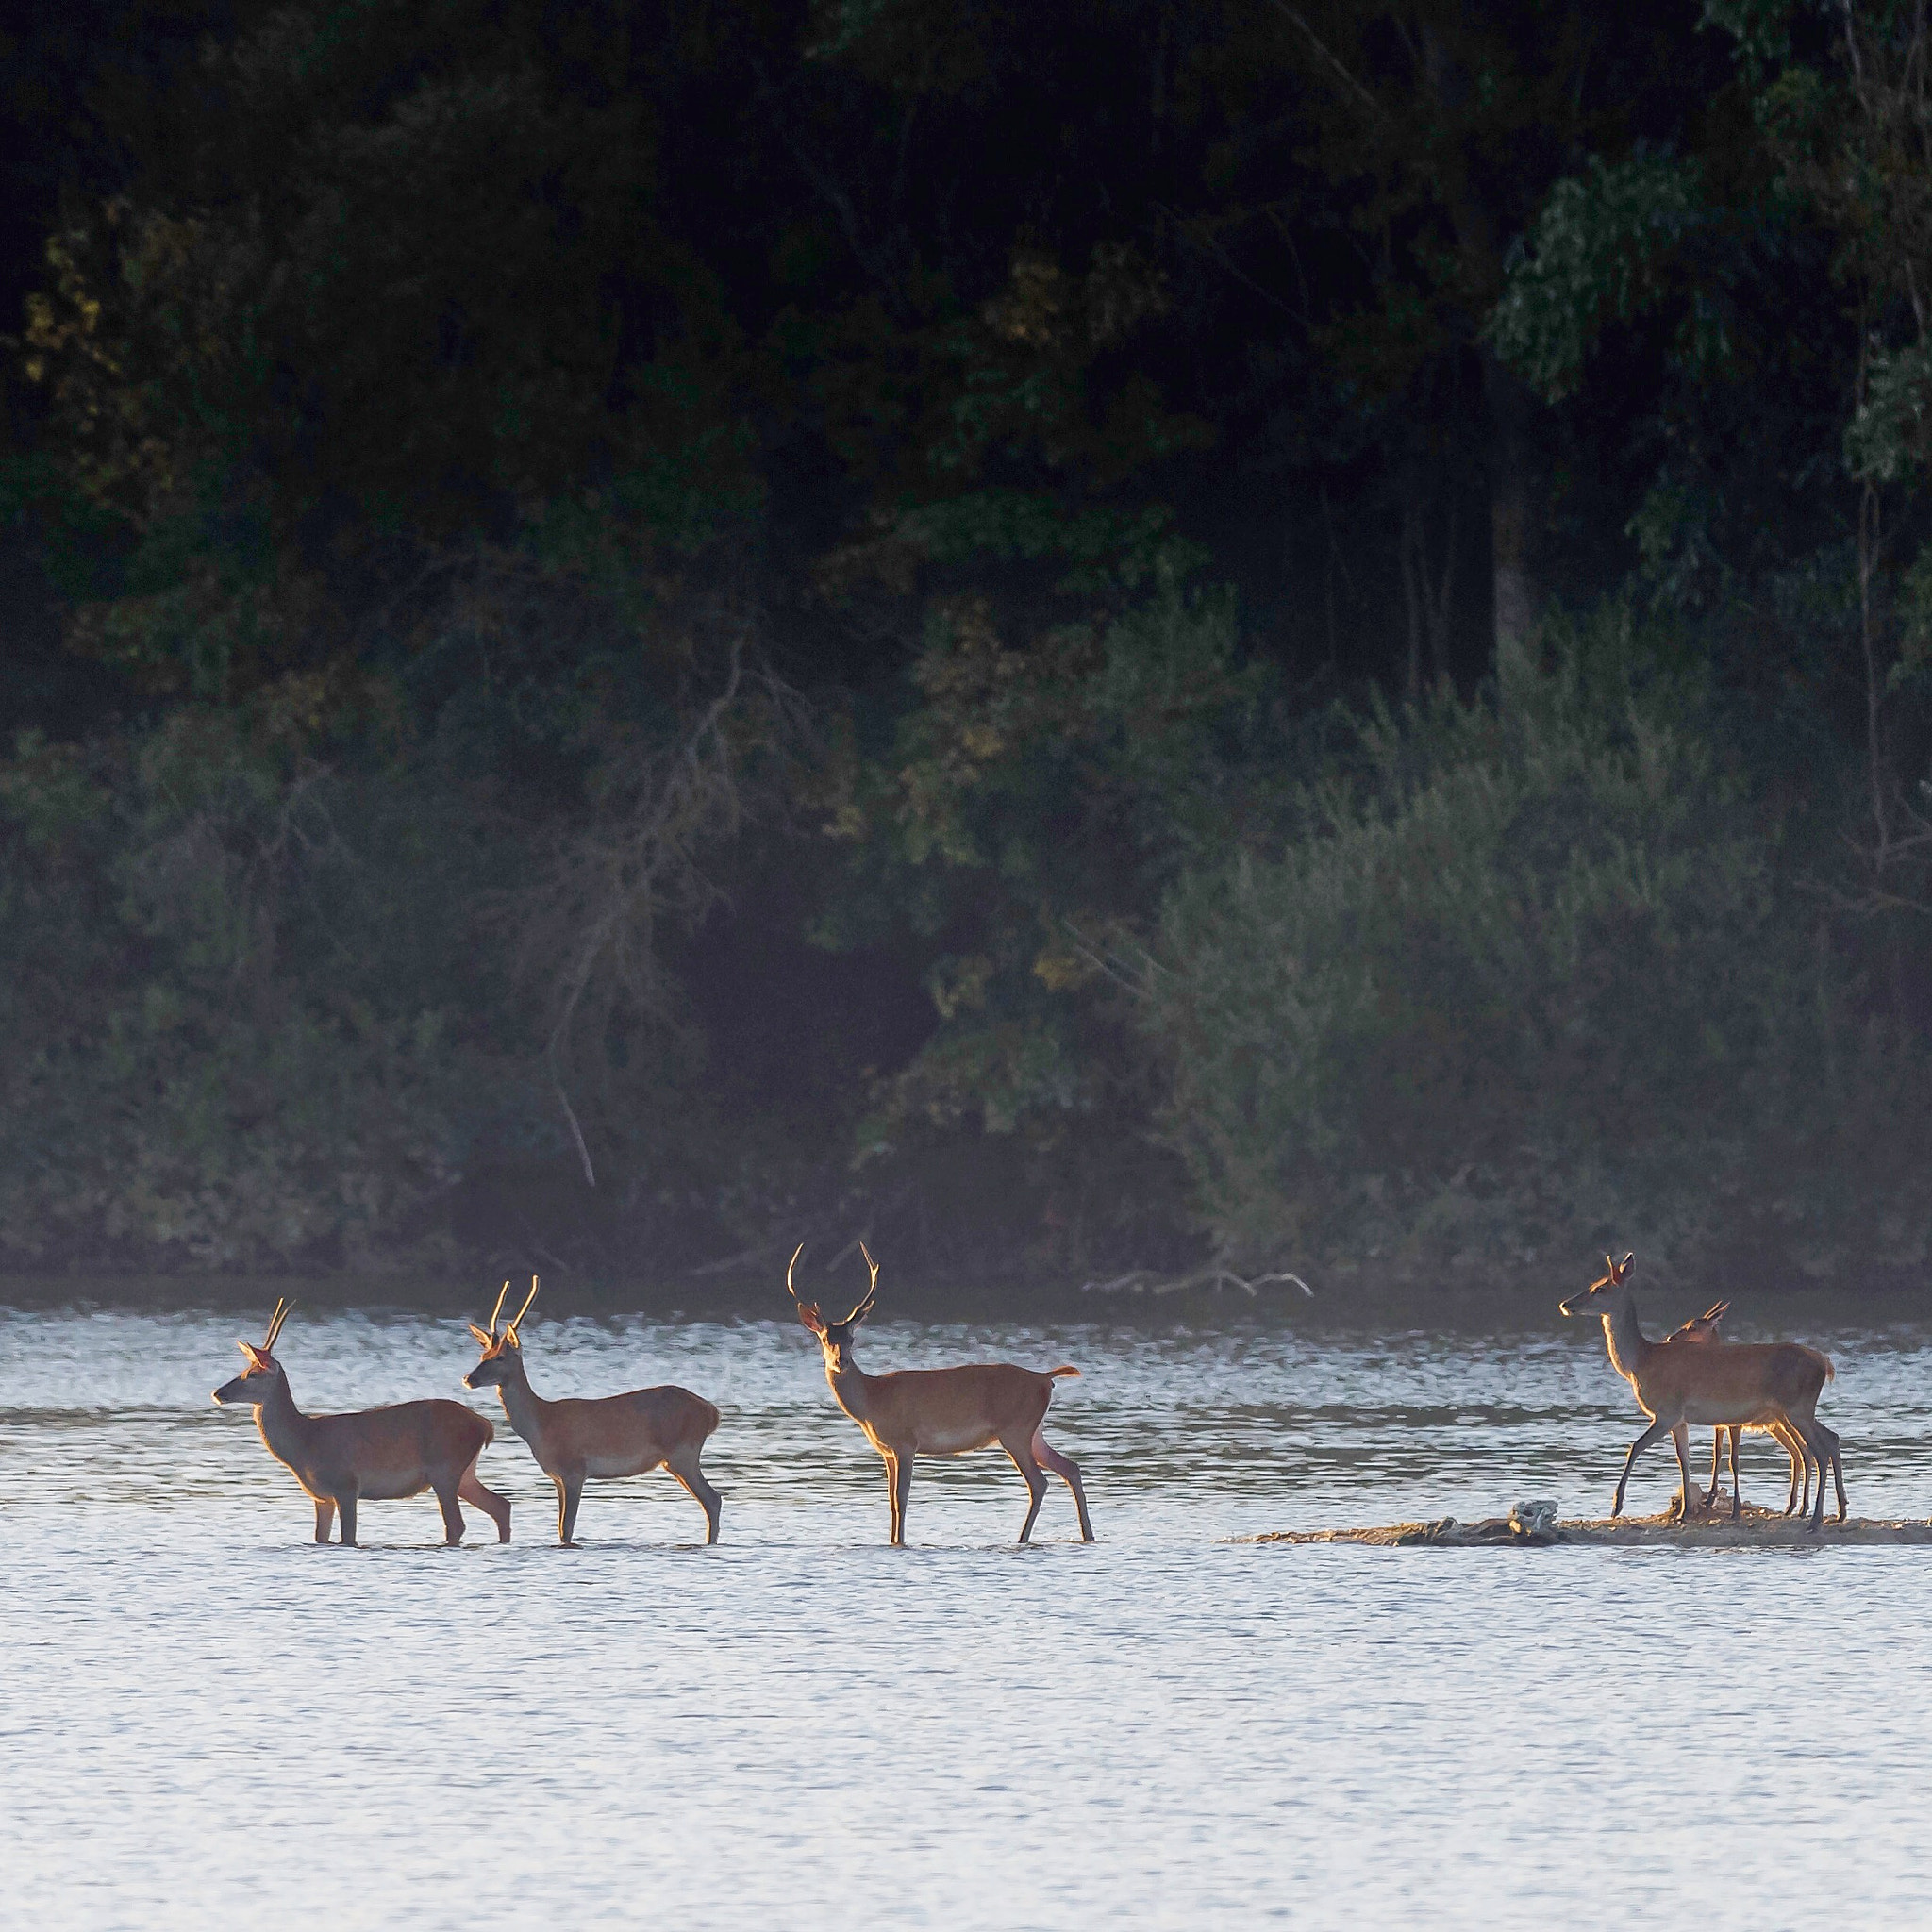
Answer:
(1755, 1529)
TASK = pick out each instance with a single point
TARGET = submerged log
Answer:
(1536, 1526)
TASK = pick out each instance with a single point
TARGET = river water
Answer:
(204, 1716)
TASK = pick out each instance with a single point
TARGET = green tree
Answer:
(1529, 973)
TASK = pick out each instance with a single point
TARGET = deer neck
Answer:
(851, 1387)
(521, 1403)
(1630, 1351)
(284, 1427)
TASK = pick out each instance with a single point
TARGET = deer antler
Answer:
(502, 1296)
(865, 1301)
(1699, 1324)
(511, 1330)
(789, 1267)
(283, 1309)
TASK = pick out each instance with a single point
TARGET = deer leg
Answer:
(452, 1511)
(899, 1487)
(570, 1492)
(1814, 1446)
(1642, 1442)
(471, 1489)
(325, 1517)
(683, 1464)
(1793, 1448)
(1717, 1440)
(345, 1502)
(1737, 1485)
(1036, 1483)
(1822, 1446)
(1833, 1448)
(1802, 1450)
(1063, 1467)
(1680, 1441)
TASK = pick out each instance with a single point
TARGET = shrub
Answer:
(1528, 972)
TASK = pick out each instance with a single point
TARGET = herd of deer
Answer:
(1690, 1377)
(408, 1447)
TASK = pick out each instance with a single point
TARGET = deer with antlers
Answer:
(1704, 1329)
(942, 1411)
(577, 1439)
(1740, 1382)
(370, 1455)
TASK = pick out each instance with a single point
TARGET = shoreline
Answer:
(1757, 1529)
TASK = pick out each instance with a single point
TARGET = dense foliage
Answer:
(1128, 636)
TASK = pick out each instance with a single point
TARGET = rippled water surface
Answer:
(203, 1716)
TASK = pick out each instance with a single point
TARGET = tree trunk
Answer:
(1508, 404)
(1510, 407)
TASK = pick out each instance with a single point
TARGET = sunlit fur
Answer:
(575, 1439)
(1704, 1329)
(944, 1412)
(1743, 1383)
(370, 1454)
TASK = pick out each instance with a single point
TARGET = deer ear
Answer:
(255, 1358)
(809, 1314)
(483, 1336)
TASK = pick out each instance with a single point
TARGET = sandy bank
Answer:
(1537, 1526)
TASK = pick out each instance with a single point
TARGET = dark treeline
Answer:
(1090, 639)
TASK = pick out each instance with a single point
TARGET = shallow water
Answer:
(202, 1713)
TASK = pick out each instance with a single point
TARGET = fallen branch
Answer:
(1216, 1276)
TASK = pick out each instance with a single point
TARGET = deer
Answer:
(369, 1455)
(942, 1411)
(577, 1439)
(1740, 1382)
(1703, 1328)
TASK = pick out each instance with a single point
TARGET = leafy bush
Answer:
(1529, 973)
(234, 982)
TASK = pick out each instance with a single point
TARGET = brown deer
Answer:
(370, 1455)
(1740, 1382)
(578, 1438)
(1704, 1329)
(942, 1411)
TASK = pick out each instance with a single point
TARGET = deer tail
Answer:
(1064, 1369)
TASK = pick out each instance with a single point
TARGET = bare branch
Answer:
(1328, 59)
(1214, 1274)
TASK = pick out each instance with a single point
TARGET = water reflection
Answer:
(800, 1726)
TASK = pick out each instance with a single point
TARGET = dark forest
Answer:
(1106, 642)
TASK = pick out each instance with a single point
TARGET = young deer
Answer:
(1703, 1328)
(1740, 1382)
(370, 1455)
(575, 1439)
(942, 1411)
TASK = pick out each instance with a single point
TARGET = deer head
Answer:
(1700, 1327)
(834, 1338)
(501, 1351)
(1601, 1295)
(256, 1382)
